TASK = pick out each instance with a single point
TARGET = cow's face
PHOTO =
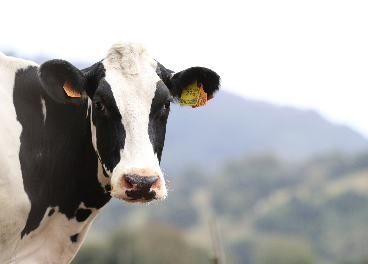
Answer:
(129, 97)
(130, 108)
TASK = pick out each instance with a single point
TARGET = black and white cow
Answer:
(62, 158)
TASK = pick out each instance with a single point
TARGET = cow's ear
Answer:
(62, 81)
(182, 79)
(164, 74)
(176, 82)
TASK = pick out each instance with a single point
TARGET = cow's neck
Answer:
(59, 168)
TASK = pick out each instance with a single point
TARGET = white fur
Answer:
(101, 177)
(14, 202)
(130, 73)
(50, 242)
(43, 103)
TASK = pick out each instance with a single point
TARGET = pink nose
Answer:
(140, 187)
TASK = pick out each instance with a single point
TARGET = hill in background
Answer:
(230, 126)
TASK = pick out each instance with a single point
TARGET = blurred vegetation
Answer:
(284, 250)
(269, 211)
(152, 243)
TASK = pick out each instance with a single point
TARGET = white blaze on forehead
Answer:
(133, 80)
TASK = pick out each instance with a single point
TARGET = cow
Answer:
(72, 139)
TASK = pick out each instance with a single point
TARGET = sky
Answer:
(305, 54)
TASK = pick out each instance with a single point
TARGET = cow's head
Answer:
(129, 96)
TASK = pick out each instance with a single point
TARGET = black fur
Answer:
(93, 76)
(82, 214)
(158, 118)
(74, 238)
(109, 128)
(52, 211)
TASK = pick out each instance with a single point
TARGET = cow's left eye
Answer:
(99, 106)
(167, 105)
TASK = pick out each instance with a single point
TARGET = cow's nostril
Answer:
(126, 183)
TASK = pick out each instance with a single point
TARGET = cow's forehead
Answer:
(131, 74)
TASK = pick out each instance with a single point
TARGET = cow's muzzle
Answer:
(140, 187)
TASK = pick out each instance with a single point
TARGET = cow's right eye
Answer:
(167, 105)
(99, 106)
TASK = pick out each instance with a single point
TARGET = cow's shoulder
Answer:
(10, 65)
(15, 63)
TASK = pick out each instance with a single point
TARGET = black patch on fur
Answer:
(93, 76)
(104, 172)
(158, 118)
(110, 131)
(82, 214)
(108, 187)
(51, 212)
(58, 161)
(74, 238)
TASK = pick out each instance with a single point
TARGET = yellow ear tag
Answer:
(68, 88)
(190, 94)
(202, 100)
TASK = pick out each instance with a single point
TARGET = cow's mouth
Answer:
(140, 188)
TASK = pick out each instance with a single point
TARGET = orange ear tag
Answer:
(202, 100)
(68, 88)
